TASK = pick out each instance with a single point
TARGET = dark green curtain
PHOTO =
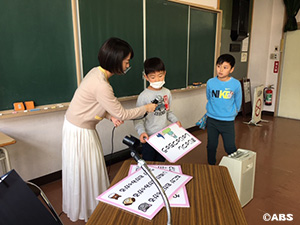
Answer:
(292, 8)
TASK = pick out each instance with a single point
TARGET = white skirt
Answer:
(84, 175)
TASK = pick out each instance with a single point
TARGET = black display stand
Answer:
(246, 99)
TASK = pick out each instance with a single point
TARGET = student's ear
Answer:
(232, 69)
(146, 77)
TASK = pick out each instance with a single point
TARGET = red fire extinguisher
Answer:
(268, 94)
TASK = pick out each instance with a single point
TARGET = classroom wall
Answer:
(266, 33)
(298, 17)
(209, 3)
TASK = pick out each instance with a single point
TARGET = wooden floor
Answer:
(277, 178)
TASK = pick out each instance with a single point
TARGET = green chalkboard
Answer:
(100, 20)
(202, 45)
(37, 59)
(167, 29)
(172, 30)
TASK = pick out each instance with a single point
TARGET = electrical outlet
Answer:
(274, 56)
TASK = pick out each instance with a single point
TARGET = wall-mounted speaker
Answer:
(240, 17)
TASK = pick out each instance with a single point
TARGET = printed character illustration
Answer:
(169, 132)
(128, 201)
(160, 135)
(114, 196)
(144, 207)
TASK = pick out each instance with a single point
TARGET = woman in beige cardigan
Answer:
(84, 174)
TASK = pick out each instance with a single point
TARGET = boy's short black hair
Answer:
(153, 65)
(226, 58)
(112, 53)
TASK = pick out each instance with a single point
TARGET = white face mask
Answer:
(158, 84)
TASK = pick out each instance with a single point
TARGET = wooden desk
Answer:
(4, 141)
(213, 201)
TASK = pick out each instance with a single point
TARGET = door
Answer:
(289, 92)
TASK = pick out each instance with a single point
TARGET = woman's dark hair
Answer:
(112, 53)
(226, 58)
(153, 65)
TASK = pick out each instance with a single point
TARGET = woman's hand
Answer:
(150, 107)
(144, 137)
(116, 121)
(179, 124)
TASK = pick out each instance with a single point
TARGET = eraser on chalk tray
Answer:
(36, 109)
(19, 106)
(197, 84)
(29, 105)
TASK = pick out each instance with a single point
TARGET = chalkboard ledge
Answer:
(64, 106)
(37, 110)
(6, 114)
(127, 98)
(189, 88)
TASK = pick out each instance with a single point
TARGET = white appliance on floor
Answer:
(241, 166)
